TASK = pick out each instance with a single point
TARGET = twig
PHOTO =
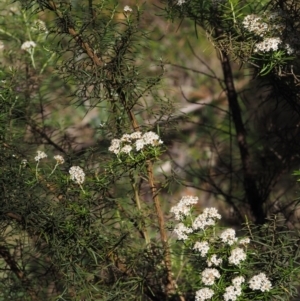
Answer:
(138, 204)
(77, 37)
(171, 286)
(4, 253)
(252, 193)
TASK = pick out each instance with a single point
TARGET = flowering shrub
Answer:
(272, 23)
(135, 143)
(86, 220)
(267, 37)
(229, 268)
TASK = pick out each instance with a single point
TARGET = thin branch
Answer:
(36, 129)
(77, 37)
(4, 253)
(252, 194)
(171, 286)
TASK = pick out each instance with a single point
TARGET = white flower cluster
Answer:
(209, 276)
(59, 159)
(255, 24)
(228, 236)
(260, 282)
(127, 9)
(180, 2)
(40, 155)
(232, 292)
(204, 294)
(183, 208)
(181, 231)
(28, 46)
(214, 260)
(238, 281)
(77, 174)
(272, 27)
(237, 256)
(136, 140)
(244, 241)
(207, 218)
(268, 44)
(202, 247)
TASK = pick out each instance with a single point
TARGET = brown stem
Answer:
(4, 253)
(171, 286)
(77, 37)
(252, 193)
(14, 216)
(138, 204)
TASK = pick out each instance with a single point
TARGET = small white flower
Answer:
(151, 138)
(180, 2)
(214, 260)
(237, 281)
(40, 155)
(202, 247)
(211, 213)
(232, 293)
(148, 138)
(136, 135)
(77, 174)
(127, 9)
(183, 207)
(207, 218)
(209, 276)
(28, 45)
(59, 159)
(255, 24)
(204, 294)
(181, 231)
(139, 144)
(126, 138)
(289, 49)
(244, 241)
(115, 146)
(126, 149)
(268, 44)
(237, 256)
(260, 282)
(228, 236)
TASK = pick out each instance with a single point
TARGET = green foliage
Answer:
(84, 221)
